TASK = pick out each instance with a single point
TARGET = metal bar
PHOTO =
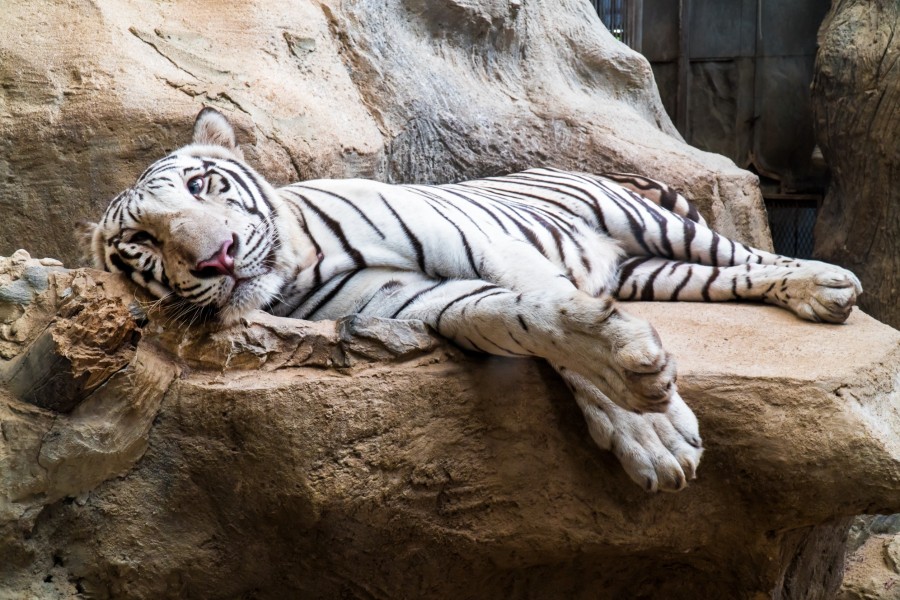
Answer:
(682, 119)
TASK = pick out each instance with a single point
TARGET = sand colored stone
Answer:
(367, 459)
(400, 91)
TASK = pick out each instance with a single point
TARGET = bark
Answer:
(855, 99)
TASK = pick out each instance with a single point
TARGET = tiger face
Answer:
(201, 228)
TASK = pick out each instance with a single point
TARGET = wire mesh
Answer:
(792, 223)
(613, 15)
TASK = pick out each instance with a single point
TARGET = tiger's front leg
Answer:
(659, 451)
(620, 354)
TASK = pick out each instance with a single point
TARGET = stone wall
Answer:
(404, 90)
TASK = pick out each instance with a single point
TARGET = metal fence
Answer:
(791, 221)
(621, 17)
(612, 13)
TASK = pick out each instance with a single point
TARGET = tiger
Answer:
(529, 264)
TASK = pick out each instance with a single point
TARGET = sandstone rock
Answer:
(367, 459)
(872, 570)
(853, 96)
(405, 90)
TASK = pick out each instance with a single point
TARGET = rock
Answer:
(367, 459)
(853, 96)
(91, 94)
(873, 570)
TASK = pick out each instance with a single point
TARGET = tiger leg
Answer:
(659, 193)
(619, 353)
(659, 451)
(812, 290)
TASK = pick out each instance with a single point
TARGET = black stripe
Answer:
(345, 201)
(522, 322)
(498, 346)
(248, 193)
(413, 240)
(331, 294)
(416, 296)
(637, 225)
(429, 195)
(714, 250)
(629, 266)
(531, 178)
(301, 219)
(390, 285)
(647, 292)
(484, 288)
(684, 282)
(462, 236)
(338, 232)
(693, 214)
(709, 282)
(483, 208)
(159, 165)
(594, 204)
(690, 231)
(663, 224)
(668, 199)
(121, 265)
(255, 181)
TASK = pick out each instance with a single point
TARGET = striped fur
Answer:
(527, 264)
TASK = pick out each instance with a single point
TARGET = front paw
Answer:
(659, 451)
(619, 353)
(646, 371)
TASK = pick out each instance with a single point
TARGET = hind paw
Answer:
(820, 292)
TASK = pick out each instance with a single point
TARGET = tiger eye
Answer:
(195, 185)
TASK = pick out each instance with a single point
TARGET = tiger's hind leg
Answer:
(659, 451)
(812, 290)
(652, 222)
(675, 256)
(659, 193)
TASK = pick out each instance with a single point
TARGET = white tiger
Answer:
(521, 265)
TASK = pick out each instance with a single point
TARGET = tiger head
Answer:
(201, 228)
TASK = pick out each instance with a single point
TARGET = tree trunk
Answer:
(855, 97)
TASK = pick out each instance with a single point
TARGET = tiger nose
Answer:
(221, 263)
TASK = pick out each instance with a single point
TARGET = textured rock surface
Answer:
(365, 459)
(854, 96)
(873, 560)
(404, 90)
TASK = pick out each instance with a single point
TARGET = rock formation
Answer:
(854, 95)
(367, 459)
(404, 90)
(873, 559)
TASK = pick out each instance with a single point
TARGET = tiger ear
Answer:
(211, 128)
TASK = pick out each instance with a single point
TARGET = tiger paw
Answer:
(659, 451)
(620, 354)
(819, 292)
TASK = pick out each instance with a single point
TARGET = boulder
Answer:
(873, 560)
(369, 459)
(402, 91)
(854, 92)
